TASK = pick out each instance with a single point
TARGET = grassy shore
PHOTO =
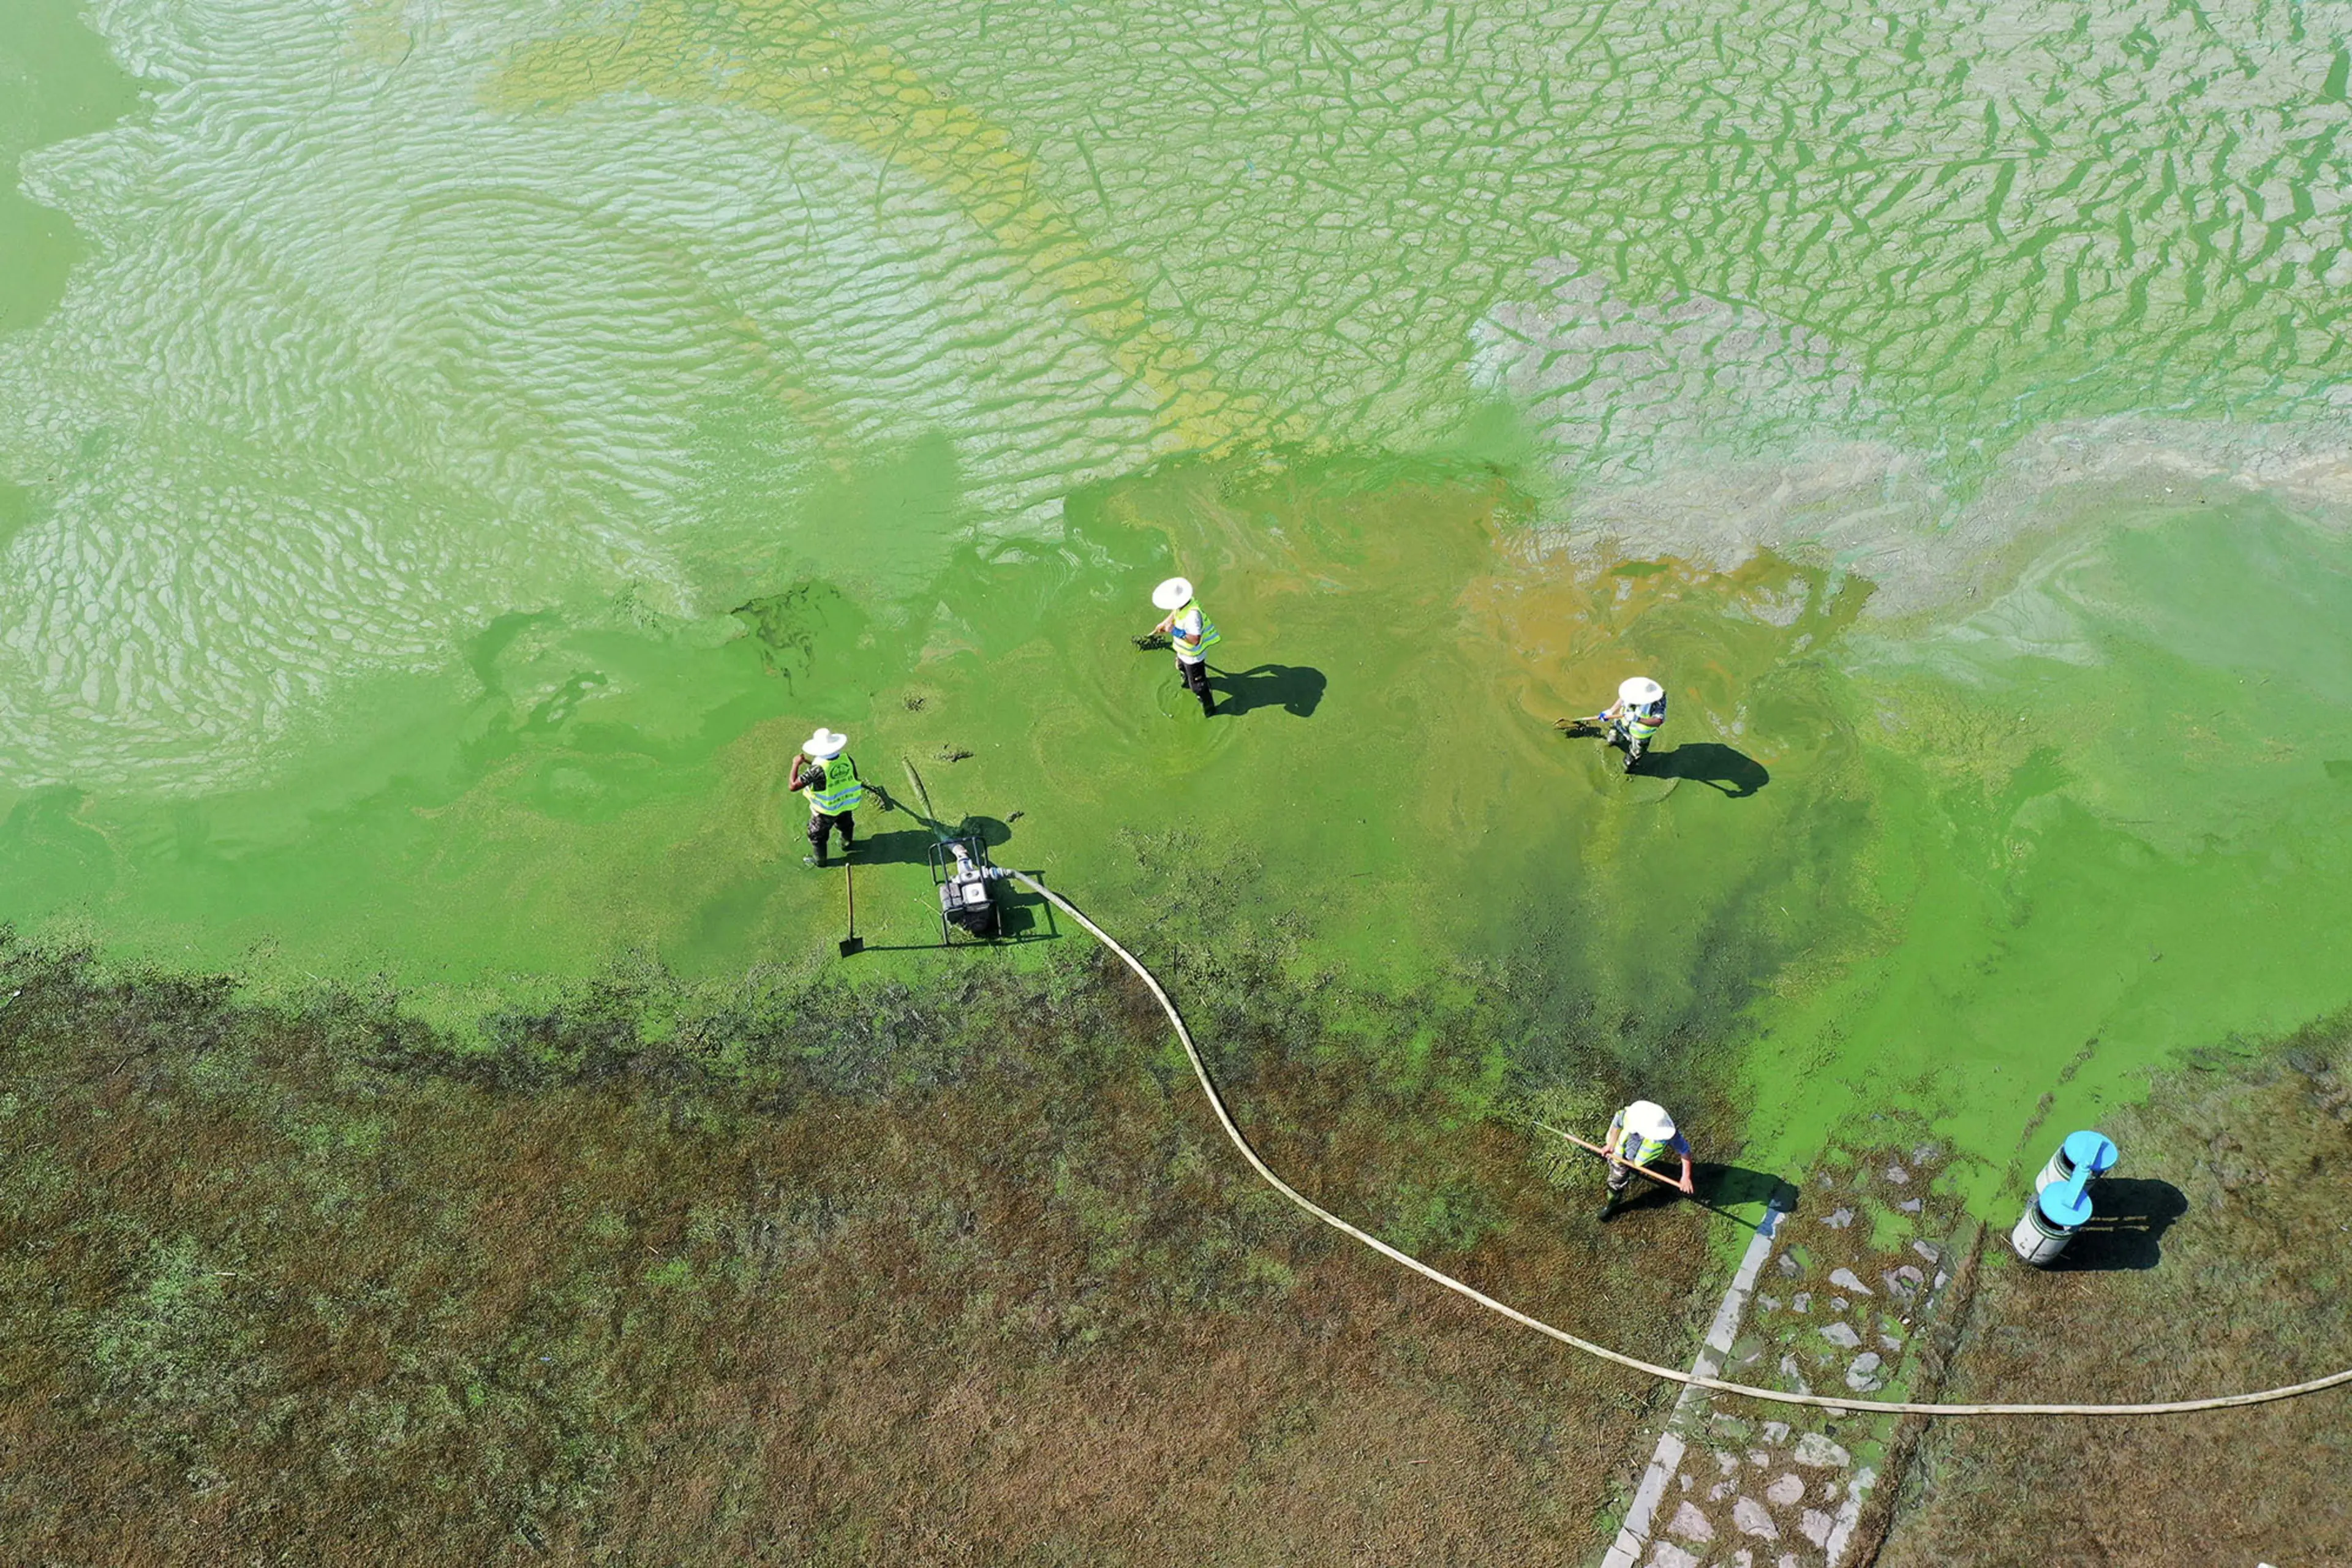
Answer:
(819, 1275)
(2216, 1264)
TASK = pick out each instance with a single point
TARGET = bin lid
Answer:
(2065, 1205)
(2091, 1152)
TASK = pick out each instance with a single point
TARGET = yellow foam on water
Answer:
(379, 32)
(805, 63)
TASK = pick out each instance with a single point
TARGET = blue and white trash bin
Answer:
(2091, 1152)
(2051, 1220)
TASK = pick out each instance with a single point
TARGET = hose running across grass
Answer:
(1672, 1374)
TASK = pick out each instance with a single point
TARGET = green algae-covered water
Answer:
(452, 450)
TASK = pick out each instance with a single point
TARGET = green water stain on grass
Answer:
(2096, 846)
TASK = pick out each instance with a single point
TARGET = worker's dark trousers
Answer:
(821, 827)
(1195, 676)
(1620, 1178)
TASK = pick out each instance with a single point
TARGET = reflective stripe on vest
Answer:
(843, 789)
(1185, 646)
(1630, 1146)
(1641, 727)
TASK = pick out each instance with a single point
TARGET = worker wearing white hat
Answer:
(1188, 631)
(1639, 713)
(1639, 1134)
(827, 779)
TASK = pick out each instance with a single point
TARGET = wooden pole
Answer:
(853, 942)
(1597, 1149)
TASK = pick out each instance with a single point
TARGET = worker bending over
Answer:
(1639, 1134)
(1189, 633)
(1639, 713)
(823, 773)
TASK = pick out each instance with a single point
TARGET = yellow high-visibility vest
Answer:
(1186, 646)
(843, 789)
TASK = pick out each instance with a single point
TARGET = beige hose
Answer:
(1672, 1375)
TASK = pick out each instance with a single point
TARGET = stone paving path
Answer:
(1846, 1287)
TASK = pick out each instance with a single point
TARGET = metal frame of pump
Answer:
(961, 871)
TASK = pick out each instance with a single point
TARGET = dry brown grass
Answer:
(2249, 1292)
(293, 1287)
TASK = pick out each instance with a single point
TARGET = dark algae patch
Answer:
(798, 1274)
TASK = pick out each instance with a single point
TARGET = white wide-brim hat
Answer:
(1640, 689)
(825, 744)
(1649, 1119)
(1174, 593)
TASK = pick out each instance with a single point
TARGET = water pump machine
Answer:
(967, 889)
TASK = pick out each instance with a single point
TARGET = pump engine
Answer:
(966, 898)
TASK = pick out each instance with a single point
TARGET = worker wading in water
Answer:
(1639, 713)
(1638, 1134)
(1189, 633)
(823, 773)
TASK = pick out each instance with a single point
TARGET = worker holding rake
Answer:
(1638, 1134)
(824, 775)
(1189, 632)
(1636, 717)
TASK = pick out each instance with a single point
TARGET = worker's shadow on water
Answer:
(1296, 689)
(2129, 1216)
(1735, 1186)
(912, 846)
(1717, 766)
(899, 847)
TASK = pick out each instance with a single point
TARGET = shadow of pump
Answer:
(1023, 916)
(991, 831)
(1296, 689)
(1717, 766)
(912, 846)
(2129, 1216)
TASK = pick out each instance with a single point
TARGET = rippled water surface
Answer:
(450, 451)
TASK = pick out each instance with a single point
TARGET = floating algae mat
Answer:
(451, 452)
